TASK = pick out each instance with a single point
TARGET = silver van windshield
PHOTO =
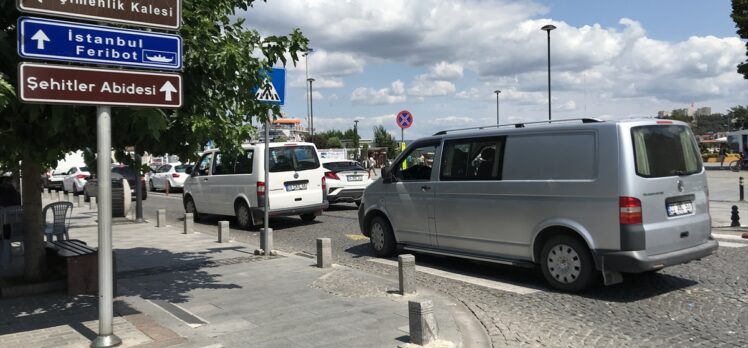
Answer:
(665, 150)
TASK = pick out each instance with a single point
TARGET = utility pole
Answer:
(355, 139)
(548, 29)
(311, 110)
(497, 105)
(308, 97)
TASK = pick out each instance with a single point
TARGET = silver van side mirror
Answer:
(386, 175)
(188, 170)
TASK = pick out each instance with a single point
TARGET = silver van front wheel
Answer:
(567, 264)
(381, 238)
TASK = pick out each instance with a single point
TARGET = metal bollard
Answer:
(224, 233)
(92, 203)
(161, 218)
(266, 241)
(734, 217)
(189, 222)
(324, 253)
(742, 195)
(406, 265)
(422, 323)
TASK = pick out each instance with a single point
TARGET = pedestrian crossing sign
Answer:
(273, 87)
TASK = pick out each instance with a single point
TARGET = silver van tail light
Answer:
(630, 210)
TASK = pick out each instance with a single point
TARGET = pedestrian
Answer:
(722, 154)
(372, 164)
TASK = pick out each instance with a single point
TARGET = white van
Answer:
(578, 198)
(234, 185)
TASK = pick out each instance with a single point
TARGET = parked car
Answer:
(579, 198)
(235, 186)
(75, 180)
(172, 175)
(54, 180)
(346, 181)
(118, 173)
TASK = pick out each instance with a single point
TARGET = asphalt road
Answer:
(701, 303)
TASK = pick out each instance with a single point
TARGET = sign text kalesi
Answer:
(166, 14)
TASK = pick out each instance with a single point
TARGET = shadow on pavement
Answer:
(164, 275)
(45, 311)
(342, 207)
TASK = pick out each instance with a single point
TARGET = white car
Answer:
(346, 181)
(172, 175)
(54, 180)
(75, 179)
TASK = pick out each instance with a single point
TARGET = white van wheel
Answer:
(381, 238)
(189, 207)
(567, 264)
(243, 217)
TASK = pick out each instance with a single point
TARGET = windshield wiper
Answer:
(681, 173)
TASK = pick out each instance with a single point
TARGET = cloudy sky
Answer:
(443, 59)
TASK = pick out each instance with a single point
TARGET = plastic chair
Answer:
(13, 218)
(60, 220)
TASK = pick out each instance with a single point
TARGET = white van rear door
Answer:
(295, 176)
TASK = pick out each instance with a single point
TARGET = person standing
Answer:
(722, 154)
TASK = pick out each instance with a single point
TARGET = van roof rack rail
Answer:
(520, 125)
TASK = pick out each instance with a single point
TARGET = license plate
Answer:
(679, 208)
(355, 178)
(295, 187)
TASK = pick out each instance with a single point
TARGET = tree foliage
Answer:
(382, 138)
(738, 116)
(740, 16)
(223, 61)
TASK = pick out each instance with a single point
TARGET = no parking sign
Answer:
(404, 119)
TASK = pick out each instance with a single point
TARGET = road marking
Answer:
(728, 236)
(162, 195)
(357, 237)
(491, 284)
(179, 313)
(731, 244)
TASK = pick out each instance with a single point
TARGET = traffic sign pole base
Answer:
(106, 341)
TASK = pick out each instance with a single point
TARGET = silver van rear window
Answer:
(665, 150)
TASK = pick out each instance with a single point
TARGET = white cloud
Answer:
(422, 87)
(446, 71)
(393, 94)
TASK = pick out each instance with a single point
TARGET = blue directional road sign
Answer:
(84, 43)
(273, 90)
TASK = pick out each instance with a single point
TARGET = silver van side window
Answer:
(559, 156)
(417, 164)
(203, 167)
(472, 159)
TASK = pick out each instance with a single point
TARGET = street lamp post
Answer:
(548, 29)
(497, 105)
(306, 62)
(311, 109)
(355, 138)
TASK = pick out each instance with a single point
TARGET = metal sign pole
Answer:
(266, 230)
(106, 337)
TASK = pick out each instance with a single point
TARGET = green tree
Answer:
(738, 116)
(334, 143)
(382, 138)
(221, 67)
(740, 16)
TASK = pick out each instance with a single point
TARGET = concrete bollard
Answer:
(224, 232)
(422, 323)
(81, 201)
(60, 196)
(47, 193)
(161, 218)
(324, 253)
(68, 197)
(266, 241)
(189, 222)
(92, 203)
(406, 265)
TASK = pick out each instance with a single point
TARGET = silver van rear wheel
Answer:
(567, 264)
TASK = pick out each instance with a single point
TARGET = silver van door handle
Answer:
(425, 188)
(205, 179)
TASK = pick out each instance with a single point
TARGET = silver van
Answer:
(580, 198)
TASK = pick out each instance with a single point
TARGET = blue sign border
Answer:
(155, 66)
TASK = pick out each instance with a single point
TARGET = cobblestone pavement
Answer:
(703, 303)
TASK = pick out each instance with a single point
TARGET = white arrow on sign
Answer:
(40, 37)
(168, 88)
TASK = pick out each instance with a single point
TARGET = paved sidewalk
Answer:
(190, 291)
